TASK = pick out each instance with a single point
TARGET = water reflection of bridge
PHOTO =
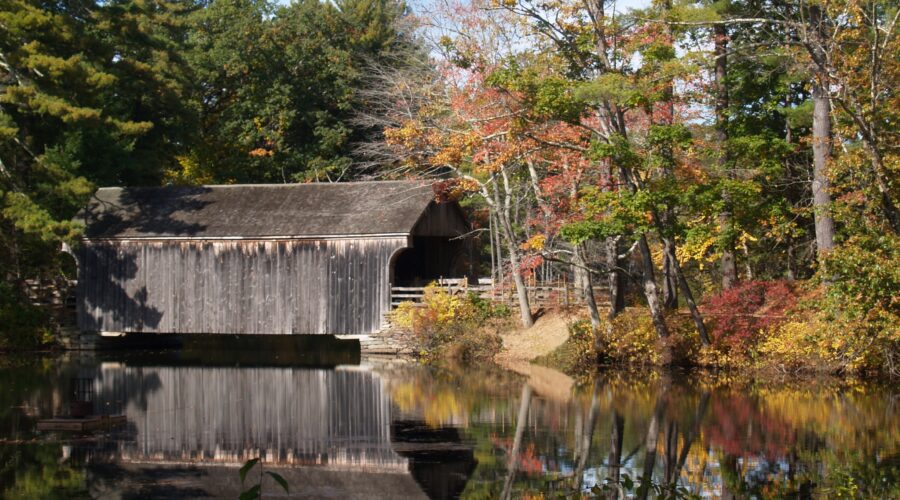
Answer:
(226, 415)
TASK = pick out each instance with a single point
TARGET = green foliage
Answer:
(255, 491)
(22, 325)
(34, 470)
(545, 96)
(280, 83)
(610, 213)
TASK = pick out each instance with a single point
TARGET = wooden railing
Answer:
(540, 294)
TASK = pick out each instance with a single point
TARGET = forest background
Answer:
(725, 171)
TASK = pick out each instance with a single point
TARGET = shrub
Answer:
(815, 340)
(447, 326)
(798, 345)
(633, 340)
(737, 316)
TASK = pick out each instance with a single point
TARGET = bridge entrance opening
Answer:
(429, 259)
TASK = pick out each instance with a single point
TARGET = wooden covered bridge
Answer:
(261, 259)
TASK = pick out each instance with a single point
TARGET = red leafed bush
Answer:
(738, 315)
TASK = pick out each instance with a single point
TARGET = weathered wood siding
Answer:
(334, 286)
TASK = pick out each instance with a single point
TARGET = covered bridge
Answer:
(261, 259)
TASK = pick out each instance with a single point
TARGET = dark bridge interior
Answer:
(431, 258)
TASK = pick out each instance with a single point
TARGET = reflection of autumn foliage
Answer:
(435, 395)
(738, 425)
(773, 422)
(847, 416)
(528, 461)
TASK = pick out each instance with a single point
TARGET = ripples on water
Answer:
(388, 429)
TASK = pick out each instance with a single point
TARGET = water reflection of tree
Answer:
(728, 440)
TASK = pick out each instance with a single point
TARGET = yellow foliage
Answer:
(811, 344)
(632, 340)
(535, 243)
(451, 326)
(189, 172)
(439, 308)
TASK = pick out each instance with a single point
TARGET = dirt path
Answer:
(520, 347)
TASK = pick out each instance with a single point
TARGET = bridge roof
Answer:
(254, 211)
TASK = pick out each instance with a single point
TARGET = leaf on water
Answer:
(249, 464)
(280, 480)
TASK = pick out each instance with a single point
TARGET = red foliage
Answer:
(737, 315)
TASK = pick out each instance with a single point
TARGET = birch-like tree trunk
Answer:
(586, 288)
(503, 210)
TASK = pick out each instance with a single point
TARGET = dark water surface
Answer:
(378, 428)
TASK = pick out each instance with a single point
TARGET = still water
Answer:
(379, 428)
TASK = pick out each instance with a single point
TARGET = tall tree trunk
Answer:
(651, 294)
(612, 117)
(726, 216)
(584, 283)
(614, 278)
(503, 214)
(670, 282)
(667, 118)
(821, 137)
(821, 155)
(688, 296)
(517, 442)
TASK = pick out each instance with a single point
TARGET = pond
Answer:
(380, 427)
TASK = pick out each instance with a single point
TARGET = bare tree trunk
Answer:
(791, 275)
(648, 282)
(688, 296)
(613, 118)
(670, 282)
(517, 442)
(614, 278)
(583, 280)
(503, 212)
(726, 216)
(821, 155)
(748, 267)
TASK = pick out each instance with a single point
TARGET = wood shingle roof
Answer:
(257, 211)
